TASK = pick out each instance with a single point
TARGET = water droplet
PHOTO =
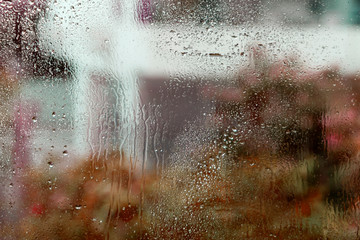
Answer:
(78, 207)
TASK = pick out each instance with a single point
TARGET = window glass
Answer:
(179, 119)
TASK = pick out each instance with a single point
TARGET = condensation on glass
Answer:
(179, 119)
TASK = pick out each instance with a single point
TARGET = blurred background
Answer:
(247, 109)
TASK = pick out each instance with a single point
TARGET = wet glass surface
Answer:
(190, 119)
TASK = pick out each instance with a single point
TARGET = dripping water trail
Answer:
(157, 166)
(164, 129)
(133, 155)
(145, 118)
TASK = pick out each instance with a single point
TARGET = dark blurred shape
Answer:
(20, 50)
(355, 12)
(317, 6)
